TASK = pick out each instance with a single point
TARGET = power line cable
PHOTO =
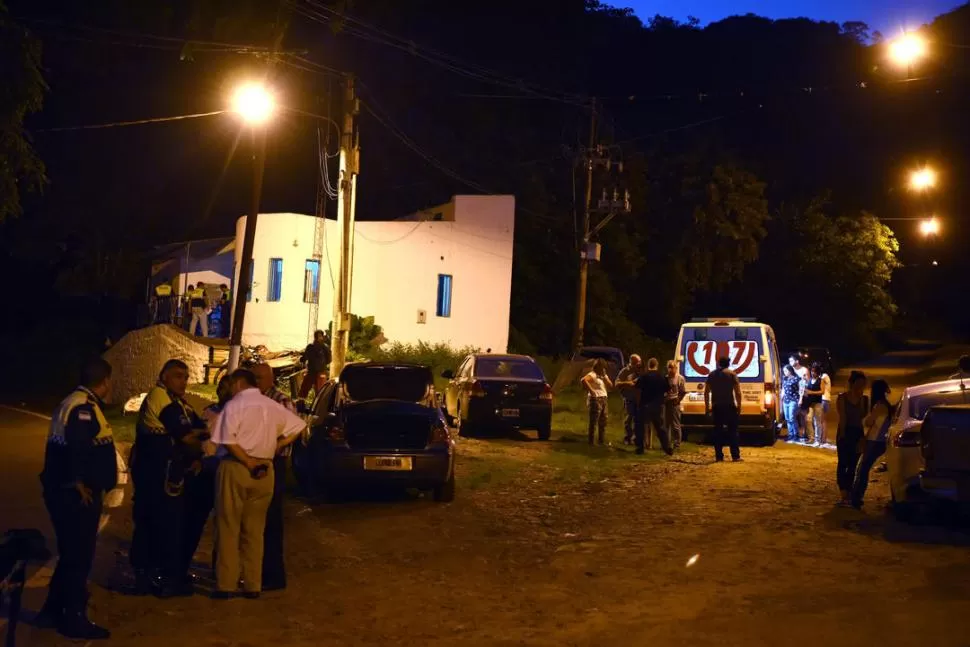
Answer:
(136, 122)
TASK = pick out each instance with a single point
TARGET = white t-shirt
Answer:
(254, 423)
(596, 384)
(826, 388)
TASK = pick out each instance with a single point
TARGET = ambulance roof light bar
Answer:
(725, 320)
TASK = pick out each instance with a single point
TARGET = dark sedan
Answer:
(499, 390)
(378, 424)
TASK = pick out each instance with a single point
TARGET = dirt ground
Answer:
(546, 545)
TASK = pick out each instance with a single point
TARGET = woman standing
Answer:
(852, 407)
(813, 398)
(877, 427)
(789, 401)
(596, 382)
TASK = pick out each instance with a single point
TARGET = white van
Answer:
(753, 352)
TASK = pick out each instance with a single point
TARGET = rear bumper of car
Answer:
(531, 415)
(747, 423)
(949, 485)
(343, 465)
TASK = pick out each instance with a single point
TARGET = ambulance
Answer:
(753, 352)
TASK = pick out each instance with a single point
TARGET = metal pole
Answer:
(345, 221)
(579, 330)
(246, 260)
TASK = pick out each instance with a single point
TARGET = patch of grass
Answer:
(122, 424)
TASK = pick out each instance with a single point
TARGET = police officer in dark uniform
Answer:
(166, 457)
(80, 465)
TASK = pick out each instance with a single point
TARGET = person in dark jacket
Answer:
(317, 358)
(167, 454)
(722, 400)
(653, 392)
(80, 466)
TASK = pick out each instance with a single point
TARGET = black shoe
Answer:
(48, 617)
(175, 588)
(220, 595)
(145, 584)
(77, 626)
(251, 595)
(737, 460)
(718, 460)
(639, 451)
(275, 586)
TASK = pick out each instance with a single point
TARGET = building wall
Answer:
(395, 275)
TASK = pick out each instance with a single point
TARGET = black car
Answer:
(378, 424)
(499, 390)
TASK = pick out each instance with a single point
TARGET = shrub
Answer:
(438, 356)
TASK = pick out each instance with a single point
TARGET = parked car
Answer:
(905, 461)
(946, 454)
(613, 356)
(808, 355)
(379, 423)
(498, 390)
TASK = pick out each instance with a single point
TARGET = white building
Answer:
(443, 275)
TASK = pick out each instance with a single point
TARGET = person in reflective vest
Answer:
(199, 306)
(167, 454)
(163, 299)
(80, 466)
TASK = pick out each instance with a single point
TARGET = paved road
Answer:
(23, 437)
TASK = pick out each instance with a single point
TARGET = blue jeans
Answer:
(874, 449)
(630, 411)
(791, 418)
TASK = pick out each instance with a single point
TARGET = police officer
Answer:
(274, 567)
(79, 467)
(163, 303)
(166, 457)
(199, 306)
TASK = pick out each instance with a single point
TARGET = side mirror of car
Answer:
(448, 374)
(330, 419)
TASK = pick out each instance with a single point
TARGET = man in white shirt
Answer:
(803, 377)
(250, 431)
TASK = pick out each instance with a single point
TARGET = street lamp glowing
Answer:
(907, 49)
(922, 179)
(254, 103)
(929, 227)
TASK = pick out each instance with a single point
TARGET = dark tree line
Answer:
(756, 151)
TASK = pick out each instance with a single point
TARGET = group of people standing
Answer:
(645, 396)
(651, 404)
(864, 423)
(230, 460)
(806, 400)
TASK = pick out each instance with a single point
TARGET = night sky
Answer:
(887, 16)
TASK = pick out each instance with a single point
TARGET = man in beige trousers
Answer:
(250, 431)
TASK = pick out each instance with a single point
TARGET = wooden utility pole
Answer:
(587, 158)
(349, 167)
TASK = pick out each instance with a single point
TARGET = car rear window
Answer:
(407, 383)
(703, 345)
(521, 369)
(920, 404)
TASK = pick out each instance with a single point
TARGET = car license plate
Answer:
(388, 463)
(510, 413)
(695, 397)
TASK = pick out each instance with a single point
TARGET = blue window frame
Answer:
(311, 281)
(249, 285)
(275, 288)
(444, 296)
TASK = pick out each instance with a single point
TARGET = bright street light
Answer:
(929, 227)
(254, 103)
(907, 49)
(922, 179)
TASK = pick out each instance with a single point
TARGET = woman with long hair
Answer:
(877, 428)
(853, 408)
